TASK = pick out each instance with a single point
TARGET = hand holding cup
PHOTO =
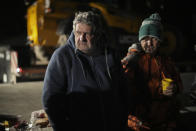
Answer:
(167, 86)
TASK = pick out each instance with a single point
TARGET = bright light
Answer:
(19, 70)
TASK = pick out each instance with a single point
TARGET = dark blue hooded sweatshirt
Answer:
(84, 93)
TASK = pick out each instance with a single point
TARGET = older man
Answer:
(83, 86)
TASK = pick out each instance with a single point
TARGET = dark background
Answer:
(175, 12)
(179, 14)
(13, 20)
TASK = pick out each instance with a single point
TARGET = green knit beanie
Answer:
(151, 27)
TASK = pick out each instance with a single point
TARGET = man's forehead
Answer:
(83, 25)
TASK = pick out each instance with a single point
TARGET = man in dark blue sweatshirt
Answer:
(84, 87)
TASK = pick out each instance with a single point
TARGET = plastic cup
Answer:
(165, 83)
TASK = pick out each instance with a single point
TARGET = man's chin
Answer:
(86, 51)
(148, 51)
(83, 43)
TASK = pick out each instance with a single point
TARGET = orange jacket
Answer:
(150, 105)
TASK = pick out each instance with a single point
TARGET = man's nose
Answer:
(83, 37)
(149, 42)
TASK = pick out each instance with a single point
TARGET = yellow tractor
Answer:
(49, 22)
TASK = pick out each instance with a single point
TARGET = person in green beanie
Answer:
(155, 105)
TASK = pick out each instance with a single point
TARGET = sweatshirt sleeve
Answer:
(54, 92)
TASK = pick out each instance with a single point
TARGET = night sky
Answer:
(12, 21)
(177, 13)
(13, 13)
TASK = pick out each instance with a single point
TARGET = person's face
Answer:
(83, 37)
(150, 44)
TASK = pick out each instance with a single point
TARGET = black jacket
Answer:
(84, 93)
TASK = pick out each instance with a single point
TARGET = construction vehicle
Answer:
(49, 23)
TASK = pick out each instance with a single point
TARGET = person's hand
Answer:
(135, 124)
(132, 51)
(169, 90)
(127, 59)
(124, 61)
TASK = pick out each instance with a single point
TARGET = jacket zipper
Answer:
(99, 85)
